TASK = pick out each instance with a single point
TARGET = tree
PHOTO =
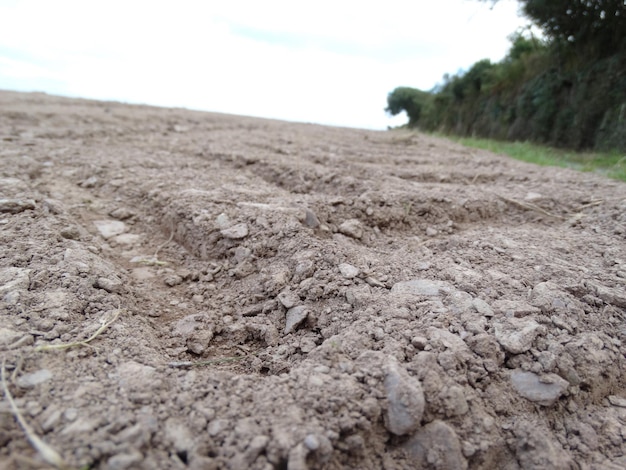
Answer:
(522, 46)
(407, 99)
(596, 25)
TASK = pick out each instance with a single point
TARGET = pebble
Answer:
(173, 280)
(236, 232)
(359, 296)
(516, 335)
(222, 221)
(70, 232)
(482, 307)
(15, 206)
(295, 316)
(70, 414)
(110, 285)
(437, 446)
(419, 342)
(544, 390)
(351, 228)
(374, 282)
(121, 213)
(405, 400)
(544, 294)
(216, 426)
(199, 341)
(187, 325)
(311, 442)
(34, 378)
(288, 298)
(90, 182)
(110, 228)
(424, 287)
(52, 418)
(617, 401)
(310, 219)
(348, 271)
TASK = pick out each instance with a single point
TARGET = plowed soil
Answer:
(182, 289)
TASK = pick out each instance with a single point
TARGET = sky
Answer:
(328, 62)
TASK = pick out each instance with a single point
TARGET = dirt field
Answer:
(292, 296)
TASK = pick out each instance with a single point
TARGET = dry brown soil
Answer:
(295, 296)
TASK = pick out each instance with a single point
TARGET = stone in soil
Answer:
(110, 228)
(295, 317)
(405, 400)
(516, 335)
(544, 390)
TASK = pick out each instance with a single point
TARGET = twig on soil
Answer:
(50, 455)
(154, 261)
(532, 207)
(104, 325)
(209, 362)
(590, 204)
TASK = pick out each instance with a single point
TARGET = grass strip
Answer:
(611, 164)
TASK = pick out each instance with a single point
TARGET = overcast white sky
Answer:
(324, 61)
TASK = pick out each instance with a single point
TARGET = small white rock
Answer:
(222, 221)
(110, 285)
(288, 298)
(617, 401)
(544, 390)
(34, 378)
(348, 271)
(236, 232)
(517, 335)
(482, 307)
(110, 228)
(351, 228)
(295, 317)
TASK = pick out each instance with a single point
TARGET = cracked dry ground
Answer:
(301, 297)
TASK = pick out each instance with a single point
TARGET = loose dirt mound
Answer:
(276, 295)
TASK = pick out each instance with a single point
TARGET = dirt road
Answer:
(260, 294)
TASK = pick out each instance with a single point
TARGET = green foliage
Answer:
(411, 100)
(598, 25)
(559, 92)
